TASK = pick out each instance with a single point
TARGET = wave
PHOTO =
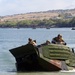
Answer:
(73, 70)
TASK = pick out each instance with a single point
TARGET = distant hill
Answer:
(38, 15)
(30, 16)
(50, 18)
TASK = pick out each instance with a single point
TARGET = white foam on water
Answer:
(68, 70)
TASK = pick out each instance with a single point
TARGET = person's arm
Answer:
(63, 42)
(54, 41)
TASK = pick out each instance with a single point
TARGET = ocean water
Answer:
(13, 37)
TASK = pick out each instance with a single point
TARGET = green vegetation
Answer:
(40, 23)
(53, 18)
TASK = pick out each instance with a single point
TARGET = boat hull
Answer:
(28, 59)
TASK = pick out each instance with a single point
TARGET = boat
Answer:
(73, 28)
(44, 58)
(33, 27)
(47, 27)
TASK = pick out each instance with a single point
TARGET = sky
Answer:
(11, 7)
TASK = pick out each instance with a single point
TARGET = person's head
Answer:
(47, 42)
(29, 39)
(34, 41)
(59, 36)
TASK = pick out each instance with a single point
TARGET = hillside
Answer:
(30, 16)
(38, 15)
(26, 18)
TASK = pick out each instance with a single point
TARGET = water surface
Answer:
(13, 37)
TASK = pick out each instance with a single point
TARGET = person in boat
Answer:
(58, 40)
(34, 43)
(46, 43)
(30, 41)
